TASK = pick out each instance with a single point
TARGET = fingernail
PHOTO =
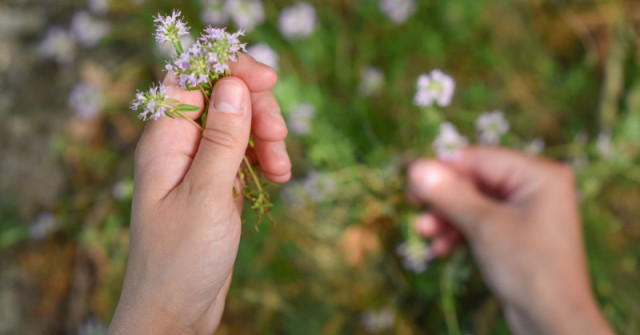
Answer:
(280, 150)
(424, 177)
(228, 97)
(422, 225)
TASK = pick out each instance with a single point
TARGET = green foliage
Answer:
(332, 254)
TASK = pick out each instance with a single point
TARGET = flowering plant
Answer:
(198, 68)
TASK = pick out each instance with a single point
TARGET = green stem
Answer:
(186, 117)
(206, 97)
(178, 46)
(253, 174)
(448, 295)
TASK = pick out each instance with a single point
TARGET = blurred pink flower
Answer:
(86, 100)
(415, 255)
(377, 321)
(535, 147)
(246, 14)
(299, 118)
(491, 126)
(59, 45)
(264, 54)
(42, 226)
(214, 13)
(605, 146)
(297, 21)
(88, 30)
(434, 88)
(449, 142)
(398, 11)
(99, 6)
(371, 81)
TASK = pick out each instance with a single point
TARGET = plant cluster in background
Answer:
(365, 86)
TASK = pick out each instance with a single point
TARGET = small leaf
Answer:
(173, 101)
(251, 144)
(188, 108)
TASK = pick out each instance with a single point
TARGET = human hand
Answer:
(185, 221)
(519, 215)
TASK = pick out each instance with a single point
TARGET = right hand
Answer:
(519, 215)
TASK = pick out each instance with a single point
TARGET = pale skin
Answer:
(185, 225)
(518, 214)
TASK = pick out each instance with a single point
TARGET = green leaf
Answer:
(251, 144)
(173, 101)
(188, 108)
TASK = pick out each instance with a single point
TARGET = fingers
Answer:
(269, 131)
(224, 140)
(268, 127)
(274, 160)
(450, 195)
(167, 146)
(507, 174)
(443, 244)
(268, 123)
(444, 237)
(429, 225)
(259, 77)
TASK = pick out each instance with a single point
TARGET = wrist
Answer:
(142, 321)
(557, 313)
(141, 313)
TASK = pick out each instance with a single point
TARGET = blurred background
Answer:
(565, 75)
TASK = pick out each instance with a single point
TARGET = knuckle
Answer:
(266, 102)
(220, 138)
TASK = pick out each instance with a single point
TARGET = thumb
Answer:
(450, 195)
(225, 138)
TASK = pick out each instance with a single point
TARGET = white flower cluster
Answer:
(415, 255)
(604, 145)
(535, 147)
(297, 21)
(315, 188)
(264, 54)
(371, 81)
(491, 126)
(449, 142)
(398, 11)
(377, 321)
(87, 29)
(42, 226)
(319, 186)
(246, 14)
(60, 44)
(434, 88)
(86, 100)
(299, 119)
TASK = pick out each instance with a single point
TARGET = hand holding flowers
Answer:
(185, 226)
(198, 69)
